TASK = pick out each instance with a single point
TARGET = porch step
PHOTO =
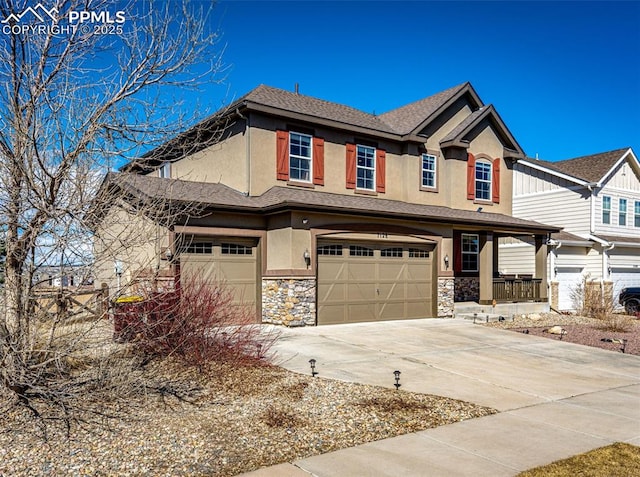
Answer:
(484, 317)
(466, 310)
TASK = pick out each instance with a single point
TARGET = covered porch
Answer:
(524, 281)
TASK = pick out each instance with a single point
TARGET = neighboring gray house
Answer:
(596, 199)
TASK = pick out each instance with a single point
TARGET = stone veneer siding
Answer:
(446, 287)
(467, 289)
(289, 301)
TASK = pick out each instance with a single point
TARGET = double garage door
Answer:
(231, 261)
(360, 282)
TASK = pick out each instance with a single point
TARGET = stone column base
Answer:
(289, 301)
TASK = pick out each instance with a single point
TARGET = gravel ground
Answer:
(241, 419)
(580, 330)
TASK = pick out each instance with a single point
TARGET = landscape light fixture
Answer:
(397, 376)
(312, 362)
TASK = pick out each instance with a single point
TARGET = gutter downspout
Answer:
(553, 258)
(592, 199)
(605, 268)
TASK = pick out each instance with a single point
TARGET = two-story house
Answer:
(319, 213)
(596, 199)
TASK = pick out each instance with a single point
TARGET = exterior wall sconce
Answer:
(167, 254)
(305, 221)
(446, 262)
(397, 376)
(307, 258)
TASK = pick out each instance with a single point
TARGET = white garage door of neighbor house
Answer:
(622, 278)
(359, 282)
(232, 261)
(568, 279)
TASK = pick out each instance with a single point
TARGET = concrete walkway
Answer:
(557, 399)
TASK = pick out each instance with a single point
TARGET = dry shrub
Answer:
(595, 301)
(276, 417)
(198, 324)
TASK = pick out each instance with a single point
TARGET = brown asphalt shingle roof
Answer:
(590, 168)
(400, 121)
(563, 236)
(618, 238)
(299, 103)
(221, 196)
(455, 132)
(406, 118)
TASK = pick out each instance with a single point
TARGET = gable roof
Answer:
(591, 169)
(219, 196)
(407, 119)
(400, 124)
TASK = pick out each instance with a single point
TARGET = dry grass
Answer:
(616, 460)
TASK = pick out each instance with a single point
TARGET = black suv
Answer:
(630, 299)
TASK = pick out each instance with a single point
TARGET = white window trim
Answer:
(636, 212)
(373, 183)
(310, 158)
(463, 253)
(622, 212)
(476, 180)
(608, 209)
(164, 171)
(435, 171)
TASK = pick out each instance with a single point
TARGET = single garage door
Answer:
(233, 261)
(360, 282)
(569, 280)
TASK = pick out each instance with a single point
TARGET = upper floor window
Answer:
(483, 180)
(470, 249)
(165, 170)
(300, 157)
(366, 167)
(606, 210)
(622, 212)
(429, 171)
(636, 214)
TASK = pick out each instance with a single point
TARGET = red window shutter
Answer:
(318, 161)
(351, 166)
(381, 163)
(471, 177)
(457, 252)
(282, 155)
(495, 181)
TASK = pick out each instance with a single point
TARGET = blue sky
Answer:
(564, 76)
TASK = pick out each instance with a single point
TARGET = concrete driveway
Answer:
(556, 398)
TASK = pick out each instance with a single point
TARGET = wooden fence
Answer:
(68, 304)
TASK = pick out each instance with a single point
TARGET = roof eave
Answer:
(271, 110)
(609, 173)
(561, 175)
(289, 204)
(466, 88)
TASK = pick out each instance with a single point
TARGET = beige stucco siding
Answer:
(133, 242)
(224, 162)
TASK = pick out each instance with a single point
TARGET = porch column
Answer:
(541, 265)
(485, 265)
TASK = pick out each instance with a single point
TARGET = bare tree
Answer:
(82, 85)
